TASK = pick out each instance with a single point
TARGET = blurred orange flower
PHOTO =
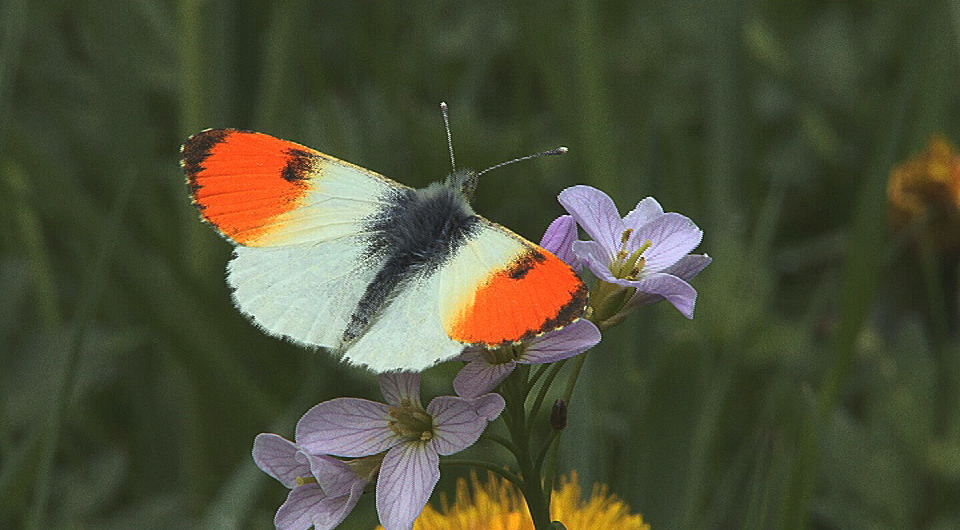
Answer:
(924, 193)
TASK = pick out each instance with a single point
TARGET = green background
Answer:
(817, 387)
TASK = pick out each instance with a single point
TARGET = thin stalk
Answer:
(572, 380)
(507, 444)
(467, 462)
(542, 369)
(513, 392)
(555, 369)
(541, 455)
(567, 394)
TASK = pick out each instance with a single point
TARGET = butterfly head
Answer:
(464, 181)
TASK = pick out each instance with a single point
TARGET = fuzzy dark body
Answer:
(412, 238)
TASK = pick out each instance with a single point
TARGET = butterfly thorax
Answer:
(412, 238)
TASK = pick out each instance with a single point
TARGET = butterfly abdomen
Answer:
(411, 239)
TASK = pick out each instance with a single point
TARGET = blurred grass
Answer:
(818, 386)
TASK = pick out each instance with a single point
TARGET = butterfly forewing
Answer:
(262, 191)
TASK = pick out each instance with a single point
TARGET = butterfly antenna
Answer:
(446, 125)
(557, 151)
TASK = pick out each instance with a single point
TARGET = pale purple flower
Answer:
(486, 368)
(323, 489)
(413, 438)
(559, 238)
(647, 249)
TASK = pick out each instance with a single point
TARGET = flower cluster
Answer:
(639, 259)
(397, 443)
(346, 446)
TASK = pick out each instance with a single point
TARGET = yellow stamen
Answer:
(306, 480)
(629, 268)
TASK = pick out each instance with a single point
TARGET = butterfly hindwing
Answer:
(306, 292)
(496, 288)
(501, 288)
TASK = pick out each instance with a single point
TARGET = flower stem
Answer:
(554, 435)
(536, 376)
(507, 444)
(574, 374)
(466, 462)
(552, 449)
(514, 390)
(554, 370)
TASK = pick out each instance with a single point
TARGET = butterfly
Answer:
(394, 278)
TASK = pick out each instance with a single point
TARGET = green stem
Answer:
(572, 380)
(542, 369)
(90, 292)
(555, 369)
(466, 462)
(553, 437)
(507, 444)
(567, 394)
(513, 390)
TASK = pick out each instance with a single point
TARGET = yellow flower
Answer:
(925, 191)
(497, 505)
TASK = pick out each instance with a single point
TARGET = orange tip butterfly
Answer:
(394, 278)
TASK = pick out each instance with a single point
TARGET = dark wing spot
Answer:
(570, 311)
(298, 165)
(526, 262)
(197, 148)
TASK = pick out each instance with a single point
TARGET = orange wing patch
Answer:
(537, 293)
(242, 181)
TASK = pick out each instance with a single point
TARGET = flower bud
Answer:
(558, 415)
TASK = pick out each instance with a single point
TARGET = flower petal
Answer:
(596, 213)
(344, 506)
(334, 476)
(647, 210)
(480, 377)
(303, 508)
(407, 477)
(560, 344)
(678, 292)
(673, 237)
(689, 266)
(400, 386)
(277, 457)
(470, 354)
(458, 422)
(309, 505)
(595, 257)
(559, 239)
(346, 427)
